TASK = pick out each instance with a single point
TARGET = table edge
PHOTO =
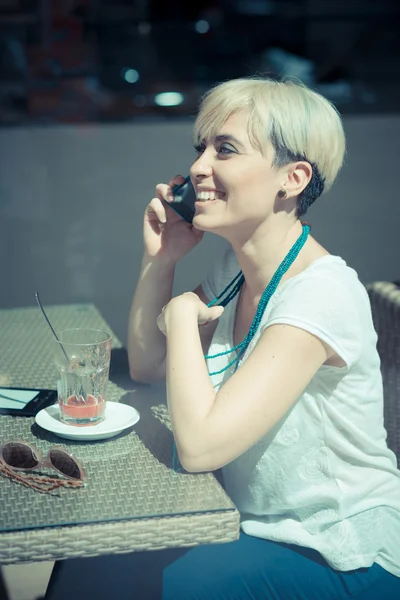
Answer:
(74, 541)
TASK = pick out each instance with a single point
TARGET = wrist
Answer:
(161, 263)
(181, 309)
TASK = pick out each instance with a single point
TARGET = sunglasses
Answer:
(17, 457)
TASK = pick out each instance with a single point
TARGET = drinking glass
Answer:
(82, 357)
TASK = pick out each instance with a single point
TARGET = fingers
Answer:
(164, 192)
(177, 180)
(157, 207)
(214, 312)
(205, 314)
(208, 314)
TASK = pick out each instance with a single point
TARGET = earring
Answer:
(282, 194)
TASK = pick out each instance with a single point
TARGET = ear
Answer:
(298, 176)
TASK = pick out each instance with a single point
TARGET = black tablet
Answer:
(25, 402)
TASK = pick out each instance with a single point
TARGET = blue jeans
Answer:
(250, 568)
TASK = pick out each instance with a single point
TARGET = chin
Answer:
(210, 225)
(198, 222)
(203, 223)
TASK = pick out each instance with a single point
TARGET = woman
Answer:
(289, 400)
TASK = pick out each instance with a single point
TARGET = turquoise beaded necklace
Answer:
(227, 295)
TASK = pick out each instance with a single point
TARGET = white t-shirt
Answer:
(323, 477)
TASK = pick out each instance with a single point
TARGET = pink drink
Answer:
(80, 413)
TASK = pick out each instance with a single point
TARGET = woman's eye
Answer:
(226, 149)
(223, 149)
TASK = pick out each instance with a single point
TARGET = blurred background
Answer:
(97, 99)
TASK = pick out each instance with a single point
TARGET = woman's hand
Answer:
(166, 235)
(188, 305)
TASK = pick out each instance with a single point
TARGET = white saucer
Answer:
(117, 418)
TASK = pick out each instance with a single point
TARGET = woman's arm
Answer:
(146, 344)
(212, 429)
(167, 238)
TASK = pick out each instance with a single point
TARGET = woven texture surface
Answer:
(26, 343)
(133, 499)
(385, 303)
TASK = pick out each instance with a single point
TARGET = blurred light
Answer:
(144, 28)
(130, 75)
(168, 99)
(202, 26)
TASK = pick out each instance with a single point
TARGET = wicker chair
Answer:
(385, 304)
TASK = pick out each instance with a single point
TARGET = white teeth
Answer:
(204, 196)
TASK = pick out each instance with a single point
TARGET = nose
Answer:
(202, 166)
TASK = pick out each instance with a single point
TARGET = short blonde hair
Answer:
(300, 124)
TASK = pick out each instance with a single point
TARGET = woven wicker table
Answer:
(133, 500)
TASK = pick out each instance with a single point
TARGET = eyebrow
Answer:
(228, 138)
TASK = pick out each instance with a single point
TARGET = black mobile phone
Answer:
(25, 402)
(184, 199)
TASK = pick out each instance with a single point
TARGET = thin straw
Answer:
(50, 325)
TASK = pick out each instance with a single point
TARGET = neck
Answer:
(261, 254)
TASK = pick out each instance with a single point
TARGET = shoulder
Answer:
(327, 300)
(328, 279)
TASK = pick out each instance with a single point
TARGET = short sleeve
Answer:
(223, 271)
(325, 307)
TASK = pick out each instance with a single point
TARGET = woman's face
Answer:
(236, 185)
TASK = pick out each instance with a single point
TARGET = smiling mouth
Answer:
(209, 196)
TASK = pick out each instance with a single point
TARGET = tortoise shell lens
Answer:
(21, 456)
(64, 463)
